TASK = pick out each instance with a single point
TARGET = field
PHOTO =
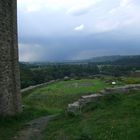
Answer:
(55, 98)
(112, 118)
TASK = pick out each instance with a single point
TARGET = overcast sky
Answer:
(56, 30)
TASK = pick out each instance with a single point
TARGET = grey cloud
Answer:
(82, 47)
(48, 35)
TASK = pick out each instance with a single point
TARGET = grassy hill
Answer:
(55, 97)
(112, 118)
(115, 117)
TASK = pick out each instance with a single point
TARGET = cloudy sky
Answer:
(56, 30)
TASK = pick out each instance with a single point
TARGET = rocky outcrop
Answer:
(75, 108)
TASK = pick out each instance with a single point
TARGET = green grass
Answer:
(51, 99)
(114, 117)
(55, 98)
(10, 125)
(131, 80)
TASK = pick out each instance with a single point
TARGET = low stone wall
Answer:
(75, 108)
(37, 86)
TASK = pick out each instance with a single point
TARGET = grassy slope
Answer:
(115, 117)
(54, 99)
(47, 100)
(10, 125)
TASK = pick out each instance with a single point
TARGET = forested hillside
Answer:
(37, 73)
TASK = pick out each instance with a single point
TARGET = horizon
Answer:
(67, 61)
(77, 30)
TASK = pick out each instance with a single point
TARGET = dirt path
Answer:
(33, 130)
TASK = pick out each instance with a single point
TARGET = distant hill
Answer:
(116, 59)
(106, 58)
(120, 59)
(128, 60)
(132, 60)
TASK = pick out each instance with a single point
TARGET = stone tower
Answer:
(10, 97)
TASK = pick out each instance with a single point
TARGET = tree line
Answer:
(32, 74)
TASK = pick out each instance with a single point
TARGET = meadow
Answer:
(112, 118)
(55, 97)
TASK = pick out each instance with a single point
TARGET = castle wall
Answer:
(10, 97)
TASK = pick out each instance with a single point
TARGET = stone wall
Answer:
(75, 108)
(30, 88)
(10, 98)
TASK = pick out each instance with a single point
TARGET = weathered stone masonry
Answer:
(75, 108)
(10, 97)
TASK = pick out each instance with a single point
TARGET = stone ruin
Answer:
(10, 97)
(75, 108)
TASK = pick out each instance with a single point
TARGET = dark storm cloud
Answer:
(67, 48)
